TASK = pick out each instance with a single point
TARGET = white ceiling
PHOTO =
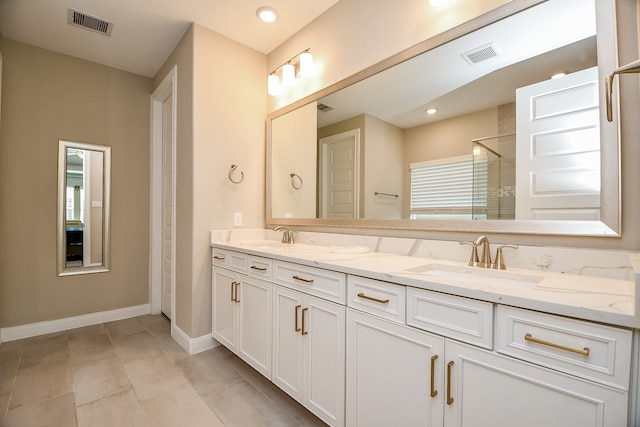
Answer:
(146, 31)
(553, 36)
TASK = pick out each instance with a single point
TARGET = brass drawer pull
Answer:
(253, 267)
(303, 280)
(303, 331)
(584, 352)
(234, 291)
(296, 313)
(449, 398)
(381, 301)
(434, 392)
(219, 258)
(234, 295)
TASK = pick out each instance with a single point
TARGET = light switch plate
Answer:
(237, 219)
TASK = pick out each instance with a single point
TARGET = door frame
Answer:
(322, 181)
(167, 88)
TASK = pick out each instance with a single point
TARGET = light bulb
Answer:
(306, 64)
(288, 74)
(273, 85)
(267, 14)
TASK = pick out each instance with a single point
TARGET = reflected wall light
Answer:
(300, 65)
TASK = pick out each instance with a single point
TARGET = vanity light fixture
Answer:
(431, 110)
(300, 65)
(273, 84)
(267, 14)
(288, 74)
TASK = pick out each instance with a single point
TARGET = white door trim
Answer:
(322, 181)
(167, 88)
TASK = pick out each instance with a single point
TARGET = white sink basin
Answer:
(478, 275)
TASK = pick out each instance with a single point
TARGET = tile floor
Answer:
(132, 373)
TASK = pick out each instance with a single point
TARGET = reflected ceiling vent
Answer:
(324, 107)
(80, 19)
(481, 53)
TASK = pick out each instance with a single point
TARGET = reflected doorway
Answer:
(340, 175)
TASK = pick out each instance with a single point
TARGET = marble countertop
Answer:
(597, 299)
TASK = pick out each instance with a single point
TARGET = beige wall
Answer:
(296, 151)
(383, 169)
(221, 111)
(47, 96)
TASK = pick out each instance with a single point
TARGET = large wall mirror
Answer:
(83, 208)
(508, 149)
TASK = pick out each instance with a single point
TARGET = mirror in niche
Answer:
(370, 155)
(83, 208)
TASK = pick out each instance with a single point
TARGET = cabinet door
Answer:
(323, 333)
(487, 389)
(225, 285)
(288, 352)
(394, 374)
(254, 340)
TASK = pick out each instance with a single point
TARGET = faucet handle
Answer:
(499, 262)
(473, 261)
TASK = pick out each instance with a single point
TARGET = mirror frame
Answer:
(610, 191)
(63, 270)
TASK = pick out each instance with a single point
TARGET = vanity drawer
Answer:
(260, 267)
(232, 260)
(381, 299)
(589, 350)
(460, 318)
(322, 283)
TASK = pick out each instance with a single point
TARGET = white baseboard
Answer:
(192, 345)
(34, 329)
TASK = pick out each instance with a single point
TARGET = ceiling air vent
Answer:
(89, 22)
(481, 53)
(324, 107)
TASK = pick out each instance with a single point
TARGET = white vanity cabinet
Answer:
(242, 305)
(394, 374)
(308, 352)
(309, 338)
(357, 351)
(288, 322)
(483, 388)
(442, 370)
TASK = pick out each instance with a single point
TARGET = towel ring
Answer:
(293, 181)
(233, 168)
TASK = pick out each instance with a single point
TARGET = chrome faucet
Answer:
(287, 235)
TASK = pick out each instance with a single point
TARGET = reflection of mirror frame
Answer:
(608, 226)
(63, 270)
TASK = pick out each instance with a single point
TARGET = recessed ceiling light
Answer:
(267, 14)
(431, 110)
(438, 3)
(558, 75)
